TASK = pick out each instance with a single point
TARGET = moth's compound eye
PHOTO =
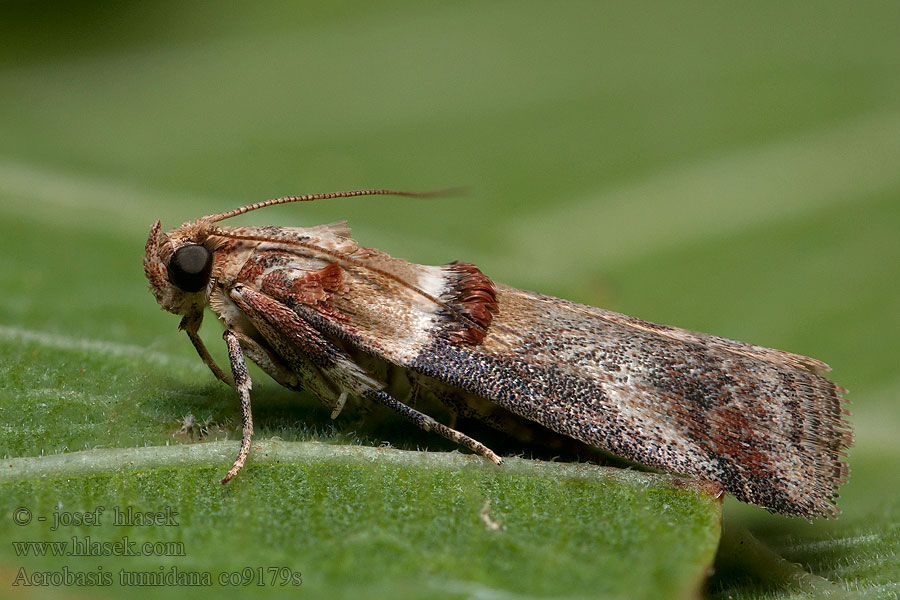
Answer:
(190, 267)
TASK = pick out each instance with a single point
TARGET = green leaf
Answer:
(374, 521)
(726, 168)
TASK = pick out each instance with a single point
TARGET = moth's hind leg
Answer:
(242, 384)
(429, 424)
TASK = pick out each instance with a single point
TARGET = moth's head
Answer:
(179, 266)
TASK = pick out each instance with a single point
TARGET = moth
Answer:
(317, 311)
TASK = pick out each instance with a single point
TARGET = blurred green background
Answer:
(728, 168)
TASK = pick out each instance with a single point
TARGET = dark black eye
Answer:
(190, 267)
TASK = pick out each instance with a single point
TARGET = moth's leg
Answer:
(300, 341)
(320, 366)
(339, 405)
(429, 424)
(191, 325)
(242, 384)
(268, 362)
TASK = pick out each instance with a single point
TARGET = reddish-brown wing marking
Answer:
(314, 310)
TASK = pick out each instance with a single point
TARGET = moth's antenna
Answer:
(327, 196)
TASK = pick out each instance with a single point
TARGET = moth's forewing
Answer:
(764, 423)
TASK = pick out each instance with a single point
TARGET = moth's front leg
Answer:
(242, 384)
(191, 325)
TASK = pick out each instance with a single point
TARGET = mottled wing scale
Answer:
(763, 423)
(768, 429)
